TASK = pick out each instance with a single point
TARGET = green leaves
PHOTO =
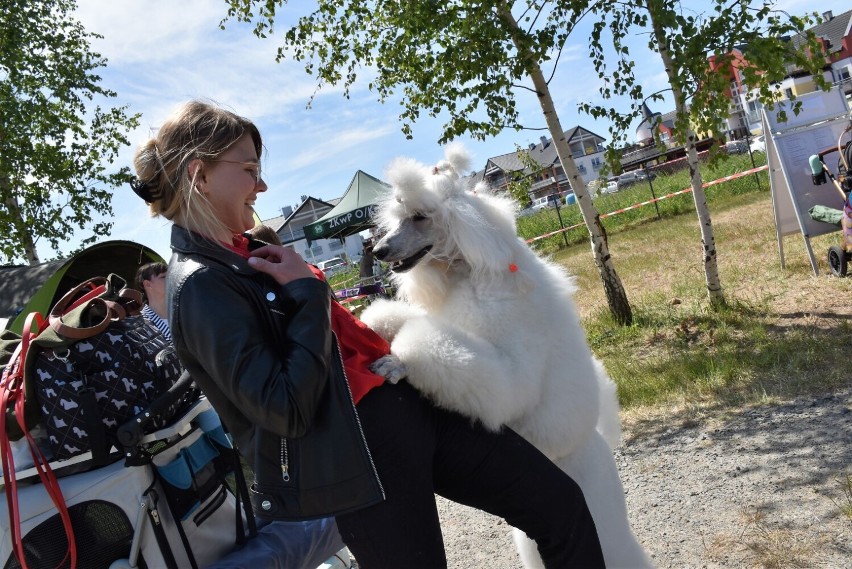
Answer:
(454, 59)
(53, 144)
(762, 33)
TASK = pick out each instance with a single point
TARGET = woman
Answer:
(285, 367)
(151, 282)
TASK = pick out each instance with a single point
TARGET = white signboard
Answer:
(789, 146)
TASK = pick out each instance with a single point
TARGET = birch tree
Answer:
(466, 59)
(55, 144)
(686, 42)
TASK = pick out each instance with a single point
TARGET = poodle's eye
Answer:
(418, 217)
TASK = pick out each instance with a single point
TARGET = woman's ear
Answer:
(194, 169)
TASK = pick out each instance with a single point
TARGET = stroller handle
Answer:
(131, 432)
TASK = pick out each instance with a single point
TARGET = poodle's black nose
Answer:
(380, 251)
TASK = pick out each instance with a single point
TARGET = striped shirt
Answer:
(161, 324)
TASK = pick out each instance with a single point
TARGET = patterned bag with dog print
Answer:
(99, 365)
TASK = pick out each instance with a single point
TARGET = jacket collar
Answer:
(187, 242)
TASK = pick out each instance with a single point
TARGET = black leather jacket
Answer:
(266, 358)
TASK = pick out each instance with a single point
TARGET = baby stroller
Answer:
(838, 255)
(169, 503)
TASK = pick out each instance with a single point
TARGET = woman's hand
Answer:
(281, 263)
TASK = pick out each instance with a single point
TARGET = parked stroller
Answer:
(176, 500)
(838, 255)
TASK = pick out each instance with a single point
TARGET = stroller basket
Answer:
(125, 514)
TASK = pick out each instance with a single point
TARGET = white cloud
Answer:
(331, 143)
(151, 31)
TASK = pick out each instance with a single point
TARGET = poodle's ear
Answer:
(482, 236)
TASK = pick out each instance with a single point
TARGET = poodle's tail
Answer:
(609, 422)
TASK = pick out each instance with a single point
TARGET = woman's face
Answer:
(155, 289)
(231, 184)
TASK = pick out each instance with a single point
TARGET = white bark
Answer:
(711, 269)
(15, 211)
(615, 294)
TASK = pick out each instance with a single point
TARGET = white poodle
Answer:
(487, 328)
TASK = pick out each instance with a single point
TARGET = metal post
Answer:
(561, 224)
(651, 185)
(751, 155)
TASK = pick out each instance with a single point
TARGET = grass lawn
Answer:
(785, 332)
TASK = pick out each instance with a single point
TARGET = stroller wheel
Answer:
(837, 261)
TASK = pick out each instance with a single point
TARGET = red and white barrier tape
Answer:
(649, 202)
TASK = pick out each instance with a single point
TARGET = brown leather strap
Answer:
(68, 301)
(127, 303)
(131, 300)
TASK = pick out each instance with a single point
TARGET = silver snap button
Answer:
(270, 296)
(266, 505)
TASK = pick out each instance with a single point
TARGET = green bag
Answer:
(826, 214)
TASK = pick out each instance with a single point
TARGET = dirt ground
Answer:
(752, 487)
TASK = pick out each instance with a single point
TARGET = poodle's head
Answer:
(434, 219)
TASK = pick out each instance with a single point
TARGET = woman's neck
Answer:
(159, 307)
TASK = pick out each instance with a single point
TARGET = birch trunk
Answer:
(14, 210)
(615, 294)
(708, 242)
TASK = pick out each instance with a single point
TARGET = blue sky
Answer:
(161, 53)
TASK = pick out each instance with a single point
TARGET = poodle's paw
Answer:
(390, 367)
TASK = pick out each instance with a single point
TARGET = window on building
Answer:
(497, 180)
(843, 74)
(335, 245)
(581, 168)
(788, 92)
(596, 163)
(735, 88)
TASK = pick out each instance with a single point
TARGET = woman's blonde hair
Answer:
(198, 130)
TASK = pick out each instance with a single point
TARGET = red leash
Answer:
(12, 393)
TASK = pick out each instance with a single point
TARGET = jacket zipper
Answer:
(285, 461)
(358, 418)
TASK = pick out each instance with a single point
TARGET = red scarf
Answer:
(359, 345)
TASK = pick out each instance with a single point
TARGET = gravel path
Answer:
(751, 487)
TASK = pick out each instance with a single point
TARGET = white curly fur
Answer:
(487, 328)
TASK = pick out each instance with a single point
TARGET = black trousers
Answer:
(420, 450)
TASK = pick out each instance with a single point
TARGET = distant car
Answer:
(545, 202)
(736, 147)
(541, 203)
(610, 188)
(332, 266)
(758, 144)
(634, 177)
